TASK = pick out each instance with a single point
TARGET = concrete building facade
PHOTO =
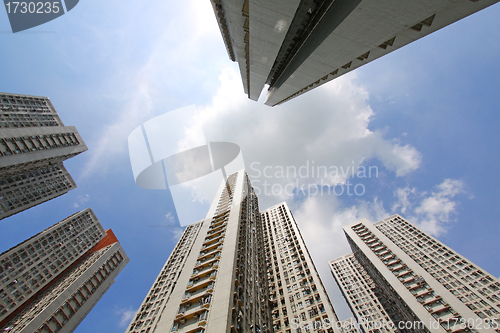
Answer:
(50, 282)
(215, 279)
(295, 46)
(238, 270)
(356, 287)
(421, 282)
(299, 302)
(33, 145)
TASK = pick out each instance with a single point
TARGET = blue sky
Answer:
(426, 116)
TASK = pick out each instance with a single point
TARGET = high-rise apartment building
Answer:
(295, 46)
(420, 283)
(299, 300)
(238, 270)
(50, 282)
(215, 280)
(33, 145)
(356, 286)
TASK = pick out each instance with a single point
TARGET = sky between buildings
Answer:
(423, 119)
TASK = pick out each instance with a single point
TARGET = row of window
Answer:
(27, 267)
(290, 281)
(71, 305)
(26, 144)
(454, 272)
(356, 285)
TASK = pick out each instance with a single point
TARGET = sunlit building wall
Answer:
(295, 46)
(33, 145)
(50, 282)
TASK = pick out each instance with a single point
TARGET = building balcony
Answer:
(217, 223)
(199, 296)
(425, 294)
(207, 271)
(215, 234)
(208, 256)
(383, 252)
(209, 242)
(217, 228)
(402, 274)
(190, 324)
(209, 261)
(408, 279)
(436, 308)
(209, 251)
(428, 299)
(190, 310)
(209, 247)
(206, 283)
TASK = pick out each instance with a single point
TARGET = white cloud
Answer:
(433, 211)
(81, 200)
(113, 137)
(170, 218)
(402, 199)
(326, 127)
(321, 219)
(126, 316)
(177, 233)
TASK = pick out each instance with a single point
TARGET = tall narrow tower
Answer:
(50, 282)
(33, 145)
(215, 279)
(359, 291)
(299, 300)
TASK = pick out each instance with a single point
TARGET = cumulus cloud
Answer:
(170, 218)
(321, 219)
(327, 127)
(126, 316)
(82, 199)
(430, 211)
(438, 209)
(403, 203)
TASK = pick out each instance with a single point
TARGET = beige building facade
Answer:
(423, 285)
(357, 287)
(50, 282)
(299, 300)
(217, 280)
(33, 145)
(295, 46)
